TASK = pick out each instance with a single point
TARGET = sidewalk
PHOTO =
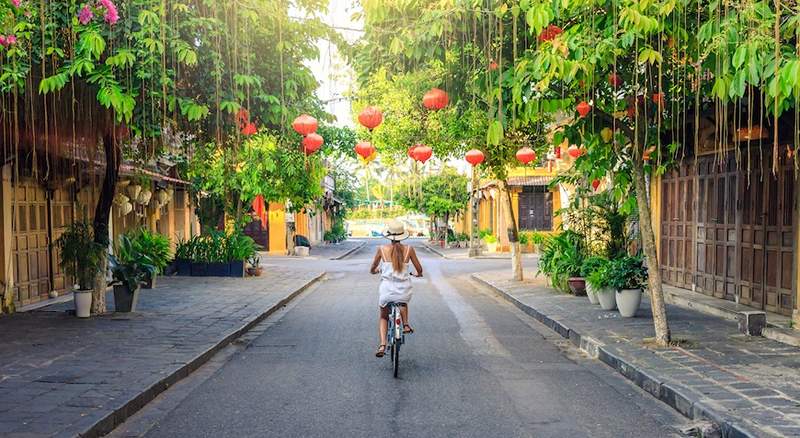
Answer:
(463, 253)
(331, 251)
(749, 386)
(63, 376)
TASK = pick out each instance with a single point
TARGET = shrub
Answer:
(627, 273)
(561, 259)
(490, 239)
(154, 245)
(599, 278)
(129, 266)
(79, 255)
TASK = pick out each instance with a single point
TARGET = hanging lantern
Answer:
(411, 152)
(312, 142)
(606, 134)
(550, 33)
(493, 66)
(658, 98)
(573, 151)
(144, 197)
(422, 153)
(583, 108)
(595, 184)
(475, 157)
(161, 196)
(249, 129)
(304, 124)
(614, 80)
(647, 152)
(125, 208)
(364, 149)
(435, 99)
(557, 151)
(370, 117)
(526, 155)
(133, 191)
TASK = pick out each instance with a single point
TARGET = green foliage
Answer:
(154, 245)
(337, 233)
(217, 247)
(490, 239)
(561, 258)
(79, 255)
(591, 264)
(627, 273)
(441, 194)
(599, 278)
(129, 266)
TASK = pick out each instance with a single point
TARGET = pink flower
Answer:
(3, 41)
(15, 3)
(111, 16)
(11, 40)
(85, 15)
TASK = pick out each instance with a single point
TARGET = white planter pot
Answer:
(628, 301)
(491, 247)
(83, 303)
(590, 293)
(606, 298)
(301, 251)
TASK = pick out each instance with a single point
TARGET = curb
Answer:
(684, 400)
(435, 251)
(340, 257)
(106, 424)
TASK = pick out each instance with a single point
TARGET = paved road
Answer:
(476, 367)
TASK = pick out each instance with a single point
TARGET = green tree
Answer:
(442, 195)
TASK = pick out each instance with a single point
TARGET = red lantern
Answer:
(370, 117)
(492, 66)
(422, 153)
(312, 142)
(558, 152)
(411, 152)
(259, 207)
(573, 151)
(595, 184)
(304, 124)
(249, 129)
(526, 155)
(658, 98)
(435, 99)
(365, 149)
(614, 80)
(583, 108)
(550, 32)
(475, 157)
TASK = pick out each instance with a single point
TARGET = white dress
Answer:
(395, 286)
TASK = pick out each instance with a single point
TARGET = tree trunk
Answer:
(651, 256)
(102, 214)
(511, 228)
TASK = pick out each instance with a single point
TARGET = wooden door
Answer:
(62, 214)
(535, 208)
(677, 226)
(751, 255)
(717, 183)
(30, 243)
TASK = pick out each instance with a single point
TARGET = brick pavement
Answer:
(750, 386)
(63, 376)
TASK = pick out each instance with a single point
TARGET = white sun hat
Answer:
(395, 231)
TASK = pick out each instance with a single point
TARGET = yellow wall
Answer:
(277, 229)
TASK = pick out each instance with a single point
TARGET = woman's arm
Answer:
(375, 262)
(415, 261)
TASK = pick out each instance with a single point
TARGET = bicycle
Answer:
(394, 335)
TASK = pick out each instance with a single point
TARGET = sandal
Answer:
(381, 350)
(407, 330)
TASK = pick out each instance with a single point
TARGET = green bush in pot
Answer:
(157, 248)
(628, 276)
(129, 268)
(599, 280)
(82, 259)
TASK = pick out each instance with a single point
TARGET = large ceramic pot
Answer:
(628, 301)
(301, 251)
(590, 292)
(491, 247)
(577, 285)
(83, 303)
(607, 298)
(125, 300)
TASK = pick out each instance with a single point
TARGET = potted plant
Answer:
(216, 257)
(600, 281)
(255, 269)
(184, 253)
(590, 265)
(525, 241)
(81, 258)
(491, 242)
(129, 268)
(628, 277)
(238, 248)
(156, 247)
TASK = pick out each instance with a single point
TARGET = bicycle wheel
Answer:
(396, 357)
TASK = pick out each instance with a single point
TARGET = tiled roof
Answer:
(529, 180)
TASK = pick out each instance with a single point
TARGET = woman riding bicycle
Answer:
(391, 261)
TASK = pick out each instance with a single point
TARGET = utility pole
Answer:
(475, 242)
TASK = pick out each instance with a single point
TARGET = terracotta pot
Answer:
(577, 285)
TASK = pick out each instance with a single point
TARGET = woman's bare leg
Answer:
(404, 313)
(383, 325)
